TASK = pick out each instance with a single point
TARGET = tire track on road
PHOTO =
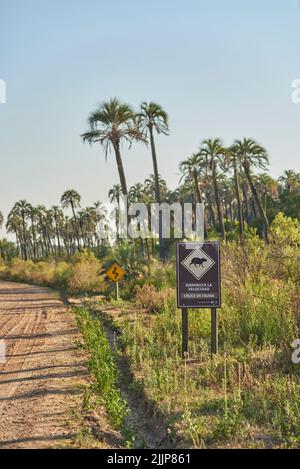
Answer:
(41, 379)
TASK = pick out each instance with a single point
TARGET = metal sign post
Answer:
(199, 284)
(185, 332)
(116, 291)
(214, 331)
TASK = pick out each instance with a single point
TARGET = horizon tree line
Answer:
(223, 178)
(41, 233)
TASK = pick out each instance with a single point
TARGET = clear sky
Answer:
(220, 68)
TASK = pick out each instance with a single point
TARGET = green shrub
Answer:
(85, 273)
(81, 274)
(153, 300)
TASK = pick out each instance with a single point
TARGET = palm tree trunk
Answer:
(218, 203)
(120, 169)
(33, 239)
(238, 198)
(212, 220)
(157, 192)
(256, 198)
(24, 236)
(75, 225)
(199, 197)
(246, 203)
(58, 239)
(155, 166)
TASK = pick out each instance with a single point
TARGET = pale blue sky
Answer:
(221, 68)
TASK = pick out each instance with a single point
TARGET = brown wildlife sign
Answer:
(198, 275)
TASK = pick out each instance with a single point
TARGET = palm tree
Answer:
(100, 220)
(194, 168)
(1, 219)
(110, 125)
(41, 213)
(150, 187)
(71, 198)
(267, 187)
(114, 195)
(58, 217)
(13, 225)
(232, 161)
(137, 194)
(152, 117)
(251, 155)
(291, 180)
(22, 208)
(7, 250)
(32, 215)
(214, 152)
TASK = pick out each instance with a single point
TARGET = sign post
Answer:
(214, 331)
(185, 332)
(198, 284)
(116, 273)
(116, 291)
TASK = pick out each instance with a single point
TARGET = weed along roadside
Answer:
(113, 383)
(244, 396)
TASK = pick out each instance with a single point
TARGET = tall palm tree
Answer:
(214, 152)
(58, 218)
(72, 199)
(14, 225)
(137, 194)
(114, 195)
(100, 220)
(110, 125)
(22, 208)
(193, 168)
(267, 187)
(41, 213)
(32, 213)
(152, 117)
(1, 219)
(232, 161)
(252, 155)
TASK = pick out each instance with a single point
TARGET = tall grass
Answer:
(249, 395)
(80, 275)
(102, 366)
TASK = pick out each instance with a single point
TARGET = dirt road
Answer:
(40, 381)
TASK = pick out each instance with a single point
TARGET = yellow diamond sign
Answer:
(115, 272)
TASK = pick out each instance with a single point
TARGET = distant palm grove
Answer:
(233, 183)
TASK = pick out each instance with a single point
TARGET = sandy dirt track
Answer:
(41, 379)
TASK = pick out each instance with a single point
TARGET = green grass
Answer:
(242, 398)
(102, 366)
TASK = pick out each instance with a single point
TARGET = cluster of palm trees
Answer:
(224, 178)
(212, 163)
(42, 232)
(114, 123)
